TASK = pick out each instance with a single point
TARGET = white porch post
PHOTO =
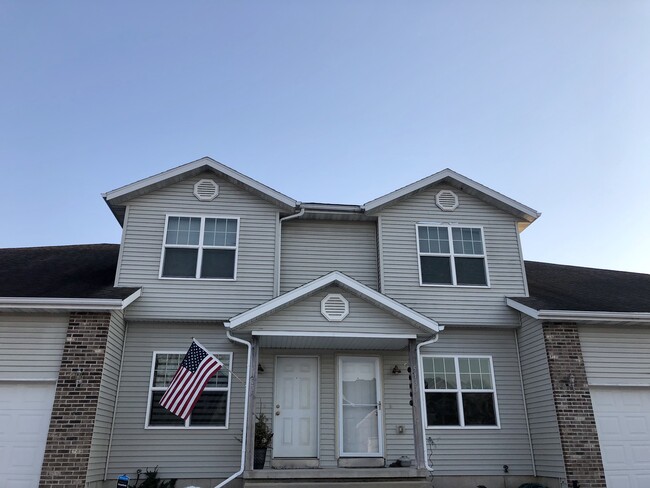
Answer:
(250, 430)
(418, 432)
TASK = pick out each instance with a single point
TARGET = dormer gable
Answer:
(525, 214)
(204, 190)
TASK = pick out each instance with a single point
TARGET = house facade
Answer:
(396, 343)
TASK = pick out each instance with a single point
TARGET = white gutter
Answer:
(423, 406)
(579, 315)
(278, 248)
(245, 427)
(68, 303)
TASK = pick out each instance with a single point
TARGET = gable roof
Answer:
(62, 277)
(338, 278)
(574, 292)
(447, 176)
(116, 198)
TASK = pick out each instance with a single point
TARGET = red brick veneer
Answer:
(75, 403)
(575, 415)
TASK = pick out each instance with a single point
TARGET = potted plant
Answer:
(263, 436)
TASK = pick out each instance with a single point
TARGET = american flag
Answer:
(193, 374)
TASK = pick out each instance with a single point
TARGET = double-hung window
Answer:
(451, 255)
(211, 410)
(200, 247)
(459, 391)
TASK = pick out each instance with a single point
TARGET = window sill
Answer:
(161, 427)
(466, 427)
(436, 285)
(174, 278)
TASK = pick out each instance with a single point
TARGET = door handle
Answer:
(277, 412)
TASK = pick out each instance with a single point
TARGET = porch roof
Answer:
(411, 324)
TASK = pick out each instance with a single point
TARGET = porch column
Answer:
(418, 432)
(250, 421)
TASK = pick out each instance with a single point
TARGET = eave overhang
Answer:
(61, 304)
(580, 315)
(406, 314)
(116, 199)
(526, 214)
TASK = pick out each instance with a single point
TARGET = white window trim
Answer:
(459, 391)
(187, 425)
(199, 259)
(451, 254)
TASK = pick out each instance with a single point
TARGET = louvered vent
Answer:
(447, 200)
(334, 307)
(206, 190)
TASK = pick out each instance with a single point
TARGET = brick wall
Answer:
(575, 414)
(75, 403)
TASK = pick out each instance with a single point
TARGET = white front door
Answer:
(623, 423)
(295, 410)
(360, 422)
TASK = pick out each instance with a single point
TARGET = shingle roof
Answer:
(562, 287)
(84, 271)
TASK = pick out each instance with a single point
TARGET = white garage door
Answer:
(623, 422)
(25, 410)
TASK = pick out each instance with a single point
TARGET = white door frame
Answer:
(380, 410)
(275, 399)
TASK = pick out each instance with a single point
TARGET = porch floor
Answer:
(339, 477)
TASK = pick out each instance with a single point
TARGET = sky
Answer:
(333, 101)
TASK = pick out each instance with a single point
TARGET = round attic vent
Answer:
(206, 190)
(334, 307)
(447, 200)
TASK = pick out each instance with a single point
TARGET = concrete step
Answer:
(337, 483)
(338, 478)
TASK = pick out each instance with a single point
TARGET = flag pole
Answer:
(223, 365)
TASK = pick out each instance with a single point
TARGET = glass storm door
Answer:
(360, 423)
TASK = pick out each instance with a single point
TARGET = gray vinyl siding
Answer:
(187, 299)
(313, 248)
(545, 434)
(616, 355)
(395, 402)
(448, 304)
(31, 346)
(305, 316)
(179, 453)
(107, 397)
(459, 451)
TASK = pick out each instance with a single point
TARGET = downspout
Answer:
(245, 428)
(423, 407)
(523, 395)
(278, 248)
(117, 397)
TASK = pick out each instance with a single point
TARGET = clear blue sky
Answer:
(333, 101)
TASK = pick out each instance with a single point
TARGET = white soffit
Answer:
(580, 315)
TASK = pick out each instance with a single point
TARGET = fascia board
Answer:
(67, 303)
(529, 213)
(531, 312)
(122, 193)
(323, 281)
(579, 315)
(279, 333)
